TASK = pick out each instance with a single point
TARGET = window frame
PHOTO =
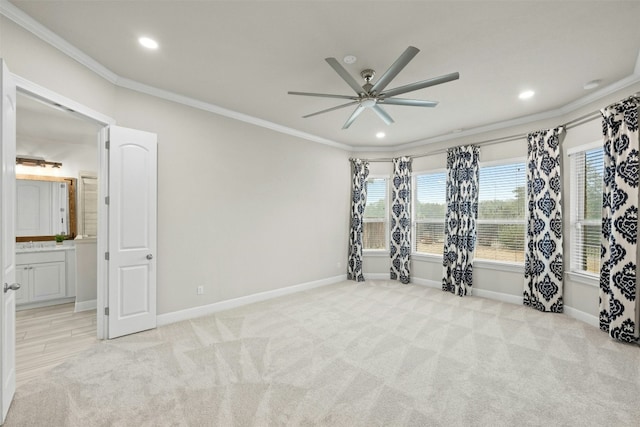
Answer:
(387, 193)
(577, 184)
(489, 263)
(415, 221)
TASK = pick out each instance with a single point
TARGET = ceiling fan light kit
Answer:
(371, 96)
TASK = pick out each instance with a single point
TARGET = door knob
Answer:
(13, 287)
(149, 256)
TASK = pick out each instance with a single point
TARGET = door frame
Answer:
(32, 89)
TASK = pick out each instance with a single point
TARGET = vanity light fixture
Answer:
(36, 161)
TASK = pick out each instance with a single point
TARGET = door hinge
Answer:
(106, 200)
(107, 144)
(106, 256)
(106, 311)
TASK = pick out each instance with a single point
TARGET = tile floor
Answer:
(47, 336)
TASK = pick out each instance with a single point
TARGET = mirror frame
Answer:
(71, 196)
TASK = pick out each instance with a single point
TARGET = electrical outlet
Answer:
(200, 290)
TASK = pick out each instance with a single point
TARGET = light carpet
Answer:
(371, 354)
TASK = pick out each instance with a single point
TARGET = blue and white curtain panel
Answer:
(460, 219)
(618, 253)
(359, 174)
(543, 266)
(400, 247)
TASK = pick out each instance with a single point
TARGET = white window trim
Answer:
(584, 278)
(495, 264)
(378, 252)
(81, 202)
(585, 147)
(501, 162)
(573, 273)
(414, 204)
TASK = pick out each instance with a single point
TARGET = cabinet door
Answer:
(48, 281)
(22, 277)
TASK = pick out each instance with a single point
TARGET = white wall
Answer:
(496, 279)
(244, 209)
(86, 270)
(241, 209)
(74, 157)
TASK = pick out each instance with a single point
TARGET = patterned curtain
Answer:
(401, 219)
(460, 220)
(359, 174)
(618, 254)
(543, 253)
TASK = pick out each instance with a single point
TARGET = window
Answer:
(88, 206)
(374, 233)
(501, 226)
(587, 166)
(429, 212)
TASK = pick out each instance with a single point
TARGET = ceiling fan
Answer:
(373, 96)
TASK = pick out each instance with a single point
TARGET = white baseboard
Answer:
(497, 296)
(377, 276)
(426, 282)
(582, 316)
(513, 299)
(204, 310)
(86, 305)
(44, 303)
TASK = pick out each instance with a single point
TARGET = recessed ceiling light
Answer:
(380, 135)
(349, 59)
(148, 43)
(592, 84)
(526, 94)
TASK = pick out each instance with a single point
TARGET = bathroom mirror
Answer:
(45, 206)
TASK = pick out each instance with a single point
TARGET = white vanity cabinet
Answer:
(44, 275)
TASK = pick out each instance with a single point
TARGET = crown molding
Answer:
(216, 109)
(25, 21)
(558, 113)
(28, 23)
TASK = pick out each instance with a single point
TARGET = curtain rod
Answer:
(568, 125)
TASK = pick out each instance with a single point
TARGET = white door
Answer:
(7, 239)
(132, 231)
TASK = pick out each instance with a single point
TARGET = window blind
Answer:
(429, 212)
(501, 223)
(374, 234)
(587, 168)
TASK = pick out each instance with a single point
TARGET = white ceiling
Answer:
(245, 55)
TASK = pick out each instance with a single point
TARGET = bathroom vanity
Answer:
(46, 274)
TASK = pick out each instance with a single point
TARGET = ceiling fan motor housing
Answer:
(367, 74)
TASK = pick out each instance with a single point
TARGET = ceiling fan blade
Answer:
(353, 116)
(421, 85)
(410, 102)
(395, 68)
(345, 75)
(323, 95)
(382, 114)
(330, 109)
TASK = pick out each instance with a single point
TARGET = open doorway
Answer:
(56, 195)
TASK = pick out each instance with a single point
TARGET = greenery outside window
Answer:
(587, 168)
(501, 226)
(376, 222)
(429, 212)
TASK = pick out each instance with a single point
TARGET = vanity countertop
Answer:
(46, 248)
